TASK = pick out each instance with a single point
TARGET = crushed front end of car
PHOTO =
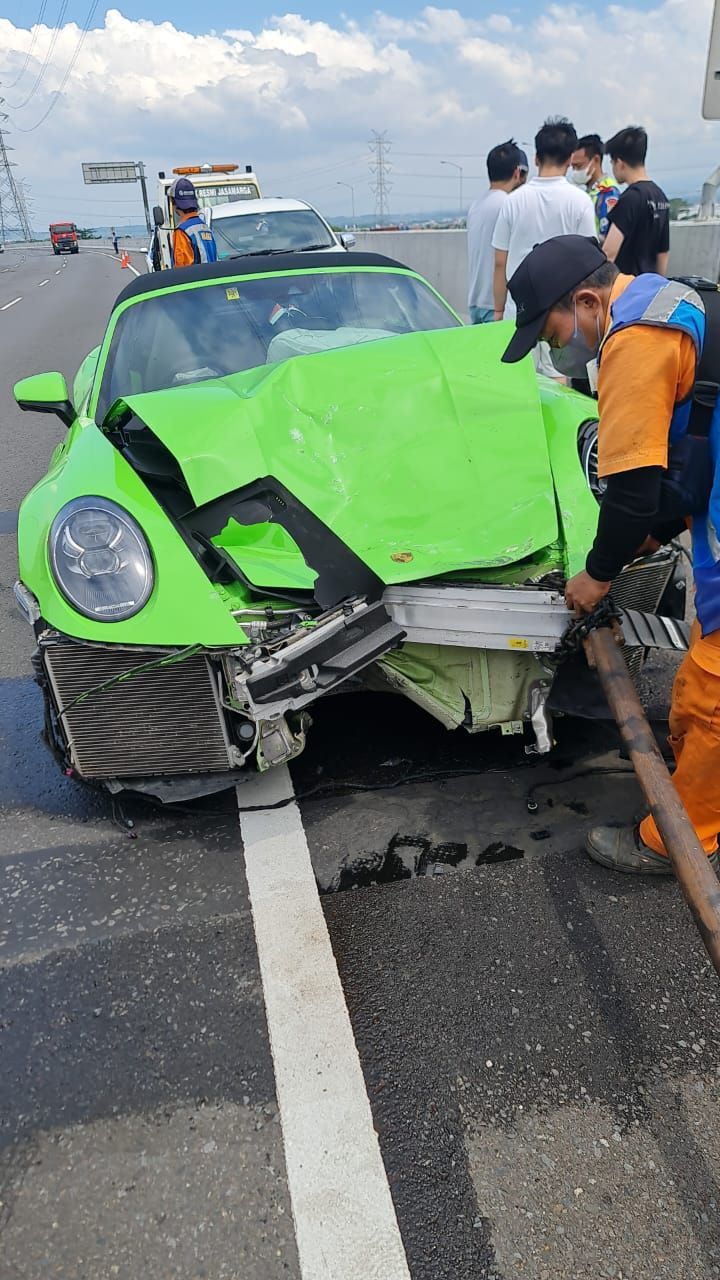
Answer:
(209, 560)
(181, 722)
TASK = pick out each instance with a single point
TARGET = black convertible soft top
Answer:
(244, 265)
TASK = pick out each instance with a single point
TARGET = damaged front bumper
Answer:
(471, 655)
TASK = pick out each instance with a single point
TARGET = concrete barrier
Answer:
(441, 256)
(695, 249)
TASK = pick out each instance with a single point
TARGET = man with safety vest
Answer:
(586, 171)
(640, 340)
(193, 241)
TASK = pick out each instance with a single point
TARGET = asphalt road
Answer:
(139, 1124)
(538, 1040)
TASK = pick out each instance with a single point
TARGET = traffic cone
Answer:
(125, 259)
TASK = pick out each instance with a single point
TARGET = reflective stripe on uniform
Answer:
(652, 300)
(201, 238)
(662, 306)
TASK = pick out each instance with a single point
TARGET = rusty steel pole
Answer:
(696, 877)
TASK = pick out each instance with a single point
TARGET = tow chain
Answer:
(603, 615)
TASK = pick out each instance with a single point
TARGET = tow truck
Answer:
(215, 184)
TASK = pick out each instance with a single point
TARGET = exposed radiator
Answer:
(166, 721)
(640, 586)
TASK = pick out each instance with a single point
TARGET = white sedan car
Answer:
(281, 225)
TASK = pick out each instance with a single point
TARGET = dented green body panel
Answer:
(422, 452)
(423, 446)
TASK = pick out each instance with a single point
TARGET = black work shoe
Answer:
(622, 849)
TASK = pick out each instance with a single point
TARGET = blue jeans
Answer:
(481, 315)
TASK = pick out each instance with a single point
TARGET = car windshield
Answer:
(273, 232)
(208, 331)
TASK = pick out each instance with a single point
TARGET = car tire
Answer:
(587, 443)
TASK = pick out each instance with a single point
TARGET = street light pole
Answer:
(460, 173)
(352, 196)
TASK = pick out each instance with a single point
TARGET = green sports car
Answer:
(285, 476)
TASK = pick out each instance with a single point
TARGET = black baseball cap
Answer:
(550, 271)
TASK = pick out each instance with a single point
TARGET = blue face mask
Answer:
(573, 359)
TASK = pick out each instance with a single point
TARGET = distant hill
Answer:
(443, 217)
(393, 218)
(133, 230)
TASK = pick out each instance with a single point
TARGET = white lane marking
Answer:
(112, 257)
(345, 1222)
(11, 304)
(42, 282)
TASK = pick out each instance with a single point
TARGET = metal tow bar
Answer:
(602, 638)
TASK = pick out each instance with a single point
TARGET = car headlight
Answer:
(100, 559)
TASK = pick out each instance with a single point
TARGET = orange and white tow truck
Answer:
(214, 183)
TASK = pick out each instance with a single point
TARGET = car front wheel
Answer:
(588, 451)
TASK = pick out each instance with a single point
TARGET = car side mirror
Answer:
(158, 215)
(348, 239)
(46, 393)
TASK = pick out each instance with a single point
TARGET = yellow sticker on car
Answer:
(518, 642)
(232, 295)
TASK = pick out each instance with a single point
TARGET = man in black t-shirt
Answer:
(639, 236)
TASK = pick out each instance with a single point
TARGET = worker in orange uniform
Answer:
(640, 340)
(193, 241)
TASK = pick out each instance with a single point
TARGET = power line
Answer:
(46, 61)
(33, 41)
(439, 155)
(86, 200)
(99, 210)
(58, 92)
(325, 168)
(90, 213)
(380, 146)
(448, 177)
(424, 195)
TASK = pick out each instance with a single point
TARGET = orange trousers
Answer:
(695, 740)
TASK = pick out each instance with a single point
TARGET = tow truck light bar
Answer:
(206, 168)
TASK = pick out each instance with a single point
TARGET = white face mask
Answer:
(580, 177)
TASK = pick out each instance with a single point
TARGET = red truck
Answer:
(64, 237)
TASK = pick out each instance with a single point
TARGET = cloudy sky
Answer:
(297, 93)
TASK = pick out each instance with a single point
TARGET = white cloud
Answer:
(298, 97)
(515, 70)
(431, 26)
(499, 22)
(348, 52)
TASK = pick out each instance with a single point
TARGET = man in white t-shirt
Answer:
(507, 168)
(546, 206)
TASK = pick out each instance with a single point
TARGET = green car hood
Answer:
(423, 452)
